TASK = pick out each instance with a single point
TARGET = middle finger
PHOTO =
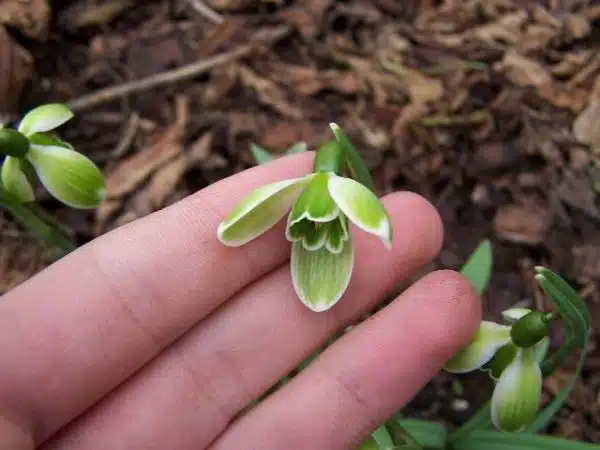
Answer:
(185, 398)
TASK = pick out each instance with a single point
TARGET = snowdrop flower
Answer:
(511, 354)
(322, 205)
(68, 175)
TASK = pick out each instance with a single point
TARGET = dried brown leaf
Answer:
(230, 5)
(16, 69)
(131, 172)
(87, 13)
(269, 93)
(523, 71)
(161, 186)
(30, 17)
(522, 224)
(586, 127)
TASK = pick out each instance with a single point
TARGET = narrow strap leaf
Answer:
(34, 223)
(383, 438)
(478, 267)
(260, 155)
(354, 161)
(544, 417)
(298, 147)
(493, 440)
(426, 433)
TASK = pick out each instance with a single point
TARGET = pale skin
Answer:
(156, 336)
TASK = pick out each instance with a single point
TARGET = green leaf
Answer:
(369, 444)
(570, 305)
(575, 313)
(260, 155)
(34, 223)
(45, 118)
(478, 267)
(383, 439)
(493, 440)
(426, 433)
(320, 277)
(544, 416)
(356, 165)
(298, 147)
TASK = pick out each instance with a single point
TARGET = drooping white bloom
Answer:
(322, 205)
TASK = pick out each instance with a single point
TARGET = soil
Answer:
(485, 107)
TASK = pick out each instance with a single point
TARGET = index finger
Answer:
(79, 328)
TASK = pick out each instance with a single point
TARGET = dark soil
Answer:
(469, 103)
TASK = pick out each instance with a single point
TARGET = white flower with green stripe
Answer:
(511, 354)
(319, 208)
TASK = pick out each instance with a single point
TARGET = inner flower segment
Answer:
(314, 235)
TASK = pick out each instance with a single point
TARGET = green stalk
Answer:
(34, 223)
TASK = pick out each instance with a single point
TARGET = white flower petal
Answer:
(15, 181)
(68, 175)
(516, 397)
(320, 277)
(487, 340)
(260, 211)
(362, 207)
(512, 315)
(44, 118)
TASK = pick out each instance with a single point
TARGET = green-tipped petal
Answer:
(487, 340)
(15, 181)
(68, 175)
(320, 277)
(512, 315)
(260, 211)
(315, 203)
(362, 207)
(516, 397)
(45, 118)
(316, 238)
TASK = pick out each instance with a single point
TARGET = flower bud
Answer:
(13, 143)
(529, 329)
(68, 175)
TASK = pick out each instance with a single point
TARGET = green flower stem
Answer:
(329, 158)
(34, 223)
(550, 365)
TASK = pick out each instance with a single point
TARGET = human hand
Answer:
(156, 336)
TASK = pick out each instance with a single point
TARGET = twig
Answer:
(203, 9)
(171, 76)
(181, 73)
(128, 135)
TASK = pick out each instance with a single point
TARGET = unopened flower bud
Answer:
(13, 143)
(529, 329)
